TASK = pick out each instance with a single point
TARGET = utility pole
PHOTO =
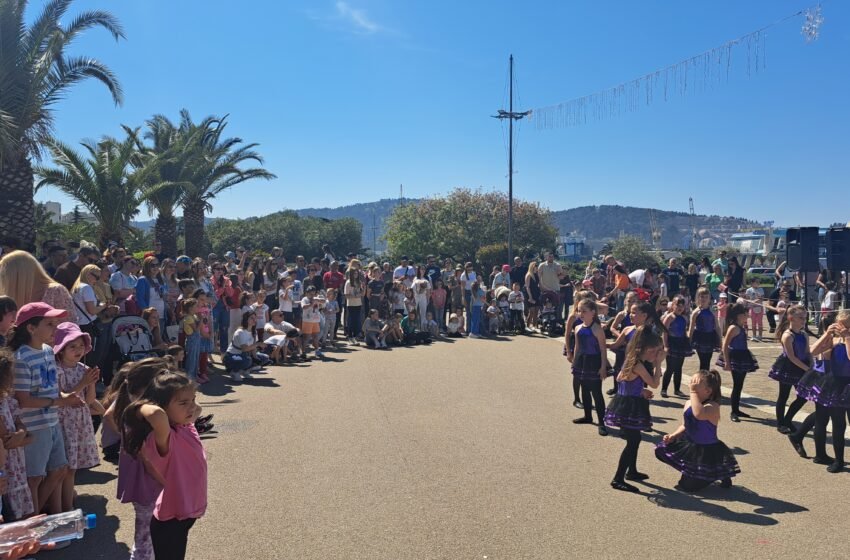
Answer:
(374, 235)
(511, 116)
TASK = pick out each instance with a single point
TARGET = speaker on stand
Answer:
(801, 252)
(838, 257)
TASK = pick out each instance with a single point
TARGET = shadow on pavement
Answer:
(763, 507)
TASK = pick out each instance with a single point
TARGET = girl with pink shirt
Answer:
(160, 427)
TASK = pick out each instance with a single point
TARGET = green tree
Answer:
(633, 253)
(77, 216)
(464, 221)
(103, 181)
(294, 234)
(35, 73)
(216, 166)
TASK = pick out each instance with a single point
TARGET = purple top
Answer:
(705, 321)
(633, 387)
(840, 361)
(801, 347)
(587, 343)
(677, 327)
(626, 322)
(739, 342)
(701, 432)
(134, 483)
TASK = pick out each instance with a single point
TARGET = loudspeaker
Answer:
(801, 249)
(838, 249)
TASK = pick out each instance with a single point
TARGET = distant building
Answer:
(83, 216)
(54, 210)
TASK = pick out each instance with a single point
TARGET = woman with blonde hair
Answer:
(23, 279)
(532, 294)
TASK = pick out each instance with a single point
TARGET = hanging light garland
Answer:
(695, 74)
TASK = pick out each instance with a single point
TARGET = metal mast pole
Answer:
(511, 167)
(511, 116)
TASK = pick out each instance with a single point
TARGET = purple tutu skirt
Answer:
(627, 412)
(706, 342)
(586, 367)
(741, 360)
(825, 389)
(785, 371)
(680, 347)
(709, 462)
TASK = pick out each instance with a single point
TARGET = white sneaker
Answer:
(235, 376)
(255, 368)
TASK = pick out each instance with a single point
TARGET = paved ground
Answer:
(465, 450)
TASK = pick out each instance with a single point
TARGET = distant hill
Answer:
(599, 224)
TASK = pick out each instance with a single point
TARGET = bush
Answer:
(633, 253)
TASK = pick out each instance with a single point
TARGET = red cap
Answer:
(37, 309)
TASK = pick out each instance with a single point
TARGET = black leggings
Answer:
(576, 389)
(628, 458)
(169, 538)
(738, 378)
(839, 425)
(783, 417)
(593, 390)
(674, 370)
(704, 360)
(689, 484)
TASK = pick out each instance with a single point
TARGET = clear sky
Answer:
(349, 99)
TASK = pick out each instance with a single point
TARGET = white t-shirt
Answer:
(262, 311)
(516, 301)
(466, 280)
(755, 294)
(310, 314)
(240, 338)
(83, 294)
(829, 300)
(353, 295)
(453, 325)
(285, 303)
(638, 277)
(283, 327)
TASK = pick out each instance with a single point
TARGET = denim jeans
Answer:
(475, 320)
(221, 319)
(193, 354)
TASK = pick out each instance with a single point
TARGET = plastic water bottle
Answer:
(47, 529)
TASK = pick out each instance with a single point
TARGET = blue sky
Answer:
(349, 99)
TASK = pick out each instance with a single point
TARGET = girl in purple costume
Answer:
(830, 391)
(704, 330)
(590, 363)
(791, 365)
(629, 409)
(736, 356)
(676, 345)
(693, 449)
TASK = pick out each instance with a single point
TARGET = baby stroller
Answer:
(133, 338)
(550, 323)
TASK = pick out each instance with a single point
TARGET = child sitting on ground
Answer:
(454, 326)
(373, 329)
(392, 330)
(431, 326)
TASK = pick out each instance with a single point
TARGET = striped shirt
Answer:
(35, 373)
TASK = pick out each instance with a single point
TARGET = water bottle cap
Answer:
(91, 521)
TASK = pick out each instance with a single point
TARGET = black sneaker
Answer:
(798, 447)
(824, 460)
(583, 420)
(663, 394)
(734, 417)
(637, 476)
(610, 392)
(835, 467)
(783, 429)
(743, 414)
(603, 431)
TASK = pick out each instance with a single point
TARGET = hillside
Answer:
(604, 223)
(599, 224)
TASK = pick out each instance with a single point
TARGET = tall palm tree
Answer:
(215, 168)
(165, 169)
(35, 73)
(104, 181)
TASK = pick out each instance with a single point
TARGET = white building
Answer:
(54, 210)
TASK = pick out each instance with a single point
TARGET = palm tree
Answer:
(35, 73)
(214, 169)
(104, 183)
(165, 166)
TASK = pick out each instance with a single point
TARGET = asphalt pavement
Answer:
(465, 450)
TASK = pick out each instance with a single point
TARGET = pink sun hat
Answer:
(69, 332)
(37, 309)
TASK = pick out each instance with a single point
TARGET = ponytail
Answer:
(160, 391)
(137, 377)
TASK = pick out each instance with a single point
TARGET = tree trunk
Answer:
(17, 209)
(165, 231)
(193, 223)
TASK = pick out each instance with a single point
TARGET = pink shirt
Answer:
(184, 471)
(438, 296)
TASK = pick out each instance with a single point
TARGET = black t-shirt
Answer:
(433, 272)
(518, 274)
(376, 290)
(673, 276)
